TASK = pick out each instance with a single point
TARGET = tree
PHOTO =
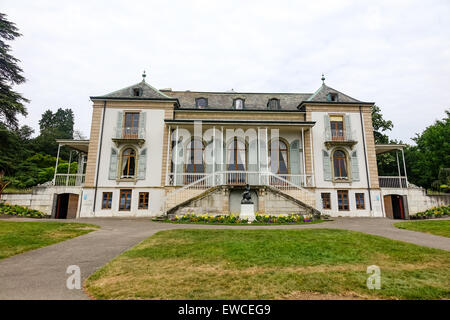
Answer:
(431, 154)
(380, 125)
(54, 125)
(387, 163)
(11, 102)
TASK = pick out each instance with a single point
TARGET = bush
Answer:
(15, 210)
(234, 219)
(435, 212)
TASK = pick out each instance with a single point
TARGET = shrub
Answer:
(435, 212)
(234, 219)
(15, 210)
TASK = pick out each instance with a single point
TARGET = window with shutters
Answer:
(340, 165)
(128, 163)
(343, 200)
(130, 128)
(337, 128)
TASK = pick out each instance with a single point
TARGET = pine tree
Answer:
(11, 102)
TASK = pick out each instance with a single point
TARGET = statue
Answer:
(246, 196)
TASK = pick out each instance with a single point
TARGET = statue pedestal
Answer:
(247, 211)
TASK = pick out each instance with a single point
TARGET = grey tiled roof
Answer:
(147, 92)
(254, 101)
(321, 95)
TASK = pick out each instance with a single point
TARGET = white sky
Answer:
(396, 53)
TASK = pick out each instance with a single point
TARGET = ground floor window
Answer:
(360, 201)
(343, 200)
(326, 203)
(143, 200)
(107, 200)
(125, 200)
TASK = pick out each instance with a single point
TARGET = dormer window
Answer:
(332, 97)
(137, 92)
(201, 103)
(238, 104)
(273, 104)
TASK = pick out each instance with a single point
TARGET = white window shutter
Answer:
(326, 123)
(348, 126)
(142, 164)
(142, 123)
(355, 167)
(113, 164)
(326, 166)
(119, 123)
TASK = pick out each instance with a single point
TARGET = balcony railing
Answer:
(340, 136)
(69, 180)
(393, 182)
(240, 178)
(131, 133)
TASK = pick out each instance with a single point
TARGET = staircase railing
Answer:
(202, 182)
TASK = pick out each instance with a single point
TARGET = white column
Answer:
(168, 155)
(68, 168)
(56, 165)
(214, 156)
(259, 157)
(398, 167)
(312, 160)
(267, 150)
(304, 158)
(404, 169)
(176, 159)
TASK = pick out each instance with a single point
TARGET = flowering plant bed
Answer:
(435, 212)
(15, 210)
(233, 219)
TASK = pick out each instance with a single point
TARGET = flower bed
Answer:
(234, 219)
(435, 212)
(15, 210)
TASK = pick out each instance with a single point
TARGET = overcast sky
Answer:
(395, 53)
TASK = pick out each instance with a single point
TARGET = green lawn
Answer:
(18, 237)
(271, 264)
(437, 227)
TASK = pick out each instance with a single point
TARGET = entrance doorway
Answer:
(395, 206)
(66, 206)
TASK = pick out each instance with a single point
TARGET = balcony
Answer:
(69, 180)
(396, 182)
(340, 138)
(124, 135)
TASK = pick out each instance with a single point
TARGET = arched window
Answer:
(195, 163)
(128, 163)
(201, 103)
(239, 104)
(273, 104)
(236, 161)
(278, 157)
(340, 165)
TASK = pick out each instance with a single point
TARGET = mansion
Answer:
(164, 152)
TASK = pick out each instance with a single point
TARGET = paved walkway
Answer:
(41, 273)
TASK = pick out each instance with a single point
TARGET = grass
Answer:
(436, 227)
(271, 264)
(18, 237)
